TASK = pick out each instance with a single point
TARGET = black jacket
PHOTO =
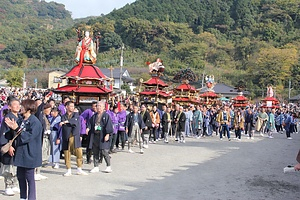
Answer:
(7, 134)
(28, 152)
(130, 122)
(180, 121)
(147, 121)
(106, 128)
(74, 127)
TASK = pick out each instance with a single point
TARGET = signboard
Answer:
(86, 99)
(269, 103)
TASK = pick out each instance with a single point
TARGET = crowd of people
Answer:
(51, 130)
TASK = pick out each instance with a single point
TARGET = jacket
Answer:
(73, 127)
(7, 134)
(106, 128)
(147, 121)
(28, 153)
(130, 122)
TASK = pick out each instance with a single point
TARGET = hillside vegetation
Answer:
(250, 42)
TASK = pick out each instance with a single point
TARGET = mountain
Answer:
(249, 42)
(21, 19)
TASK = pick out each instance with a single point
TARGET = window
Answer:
(57, 79)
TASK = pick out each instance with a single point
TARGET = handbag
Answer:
(5, 148)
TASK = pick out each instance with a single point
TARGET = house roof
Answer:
(85, 72)
(186, 87)
(240, 98)
(116, 74)
(154, 81)
(83, 89)
(295, 98)
(222, 88)
(208, 94)
(185, 99)
(270, 99)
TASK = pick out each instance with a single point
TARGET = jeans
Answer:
(153, 132)
(26, 176)
(225, 128)
(238, 133)
(121, 138)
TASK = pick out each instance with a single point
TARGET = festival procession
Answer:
(90, 118)
(84, 119)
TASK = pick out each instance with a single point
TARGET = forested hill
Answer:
(224, 15)
(251, 42)
(22, 19)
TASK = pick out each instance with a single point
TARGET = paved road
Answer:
(207, 169)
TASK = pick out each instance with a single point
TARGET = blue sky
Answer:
(85, 8)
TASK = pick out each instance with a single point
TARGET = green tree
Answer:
(14, 77)
(273, 65)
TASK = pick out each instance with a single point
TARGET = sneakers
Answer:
(221, 139)
(9, 192)
(95, 170)
(56, 166)
(43, 177)
(183, 141)
(81, 172)
(146, 146)
(289, 138)
(141, 151)
(16, 190)
(130, 151)
(108, 170)
(69, 173)
(38, 177)
(261, 134)
(166, 141)
(271, 137)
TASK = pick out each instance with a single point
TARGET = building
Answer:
(54, 78)
(115, 74)
(295, 99)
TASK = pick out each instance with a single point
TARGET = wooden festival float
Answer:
(240, 101)
(85, 81)
(209, 97)
(185, 94)
(270, 101)
(154, 92)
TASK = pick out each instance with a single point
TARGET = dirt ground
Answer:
(206, 168)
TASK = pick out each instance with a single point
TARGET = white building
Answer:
(116, 74)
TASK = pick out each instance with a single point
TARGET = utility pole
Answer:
(121, 66)
(24, 83)
(290, 85)
(202, 85)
